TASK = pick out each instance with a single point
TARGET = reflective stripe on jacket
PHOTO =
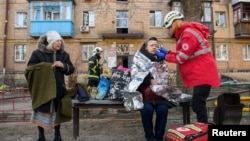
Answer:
(94, 68)
(204, 49)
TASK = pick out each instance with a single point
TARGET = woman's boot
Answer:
(57, 134)
(41, 136)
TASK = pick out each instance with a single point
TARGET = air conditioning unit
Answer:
(84, 28)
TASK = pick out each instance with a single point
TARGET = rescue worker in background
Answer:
(95, 69)
(195, 59)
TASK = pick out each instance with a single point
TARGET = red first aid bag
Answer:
(190, 132)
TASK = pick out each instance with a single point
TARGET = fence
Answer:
(15, 104)
(13, 79)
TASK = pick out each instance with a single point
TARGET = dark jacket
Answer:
(42, 54)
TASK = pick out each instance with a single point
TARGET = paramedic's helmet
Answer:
(170, 17)
(97, 50)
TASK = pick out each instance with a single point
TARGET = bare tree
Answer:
(72, 79)
(192, 10)
(104, 6)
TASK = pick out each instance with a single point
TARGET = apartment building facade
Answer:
(118, 26)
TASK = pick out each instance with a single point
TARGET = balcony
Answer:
(64, 27)
(242, 29)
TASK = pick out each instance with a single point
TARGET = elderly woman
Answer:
(47, 66)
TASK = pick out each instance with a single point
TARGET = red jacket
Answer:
(194, 56)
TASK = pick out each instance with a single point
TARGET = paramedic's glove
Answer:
(163, 50)
(161, 53)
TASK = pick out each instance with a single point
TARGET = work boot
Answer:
(41, 134)
(57, 138)
(57, 133)
(41, 138)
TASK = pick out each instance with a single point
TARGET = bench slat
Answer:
(75, 101)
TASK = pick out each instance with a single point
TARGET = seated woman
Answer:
(142, 77)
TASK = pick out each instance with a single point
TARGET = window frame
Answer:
(23, 17)
(51, 15)
(207, 12)
(220, 19)
(122, 21)
(20, 52)
(246, 52)
(155, 18)
(87, 51)
(219, 51)
(88, 18)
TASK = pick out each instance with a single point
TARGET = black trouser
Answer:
(200, 94)
(93, 83)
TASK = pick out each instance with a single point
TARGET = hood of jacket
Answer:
(204, 30)
(42, 44)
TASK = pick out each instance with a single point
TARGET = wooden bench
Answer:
(76, 105)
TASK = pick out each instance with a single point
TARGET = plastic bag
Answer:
(133, 101)
(119, 81)
(103, 87)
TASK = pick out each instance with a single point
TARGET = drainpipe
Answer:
(5, 38)
(213, 31)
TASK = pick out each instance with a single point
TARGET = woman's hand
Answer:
(58, 64)
(153, 82)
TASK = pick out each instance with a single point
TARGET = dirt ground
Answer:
(118, 126)
(89, 131)
(102, 129)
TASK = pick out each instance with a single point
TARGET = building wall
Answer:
(226, 36)
(228, 31)
(105, 23)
